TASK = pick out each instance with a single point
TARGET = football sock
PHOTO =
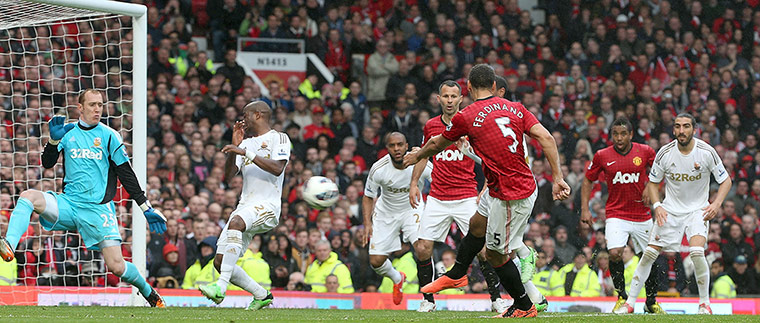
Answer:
(617, 272)
(387, 270)
(522, 251)
(510, 279)
(533, 293)
(19, 221)
(468, 249)
(650, 286)
(425, 273)
(641, 273)
(230, 256)
(702, 273)
(241, 279)
(132, 276)
(492, 280)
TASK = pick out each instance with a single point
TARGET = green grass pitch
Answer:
(180, 314)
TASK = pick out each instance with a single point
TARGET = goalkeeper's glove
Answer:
(156, 220)
(58, 129)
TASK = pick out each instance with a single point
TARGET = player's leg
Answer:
(30, 201)
(474, 241)
(668, 234)
(696, 232)
(434, 225)
(383, 242)
(423, 255)
(498, 238)
(616, 233)
(127, 271)
(639, 233)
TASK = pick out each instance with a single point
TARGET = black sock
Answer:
(466, 252)
(492, 280)
(510, 279)
(425, 276)
(617, 271)
(650, 285)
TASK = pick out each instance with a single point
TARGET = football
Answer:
(320, 192)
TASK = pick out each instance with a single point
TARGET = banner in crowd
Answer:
(276, 67)
(86, 296)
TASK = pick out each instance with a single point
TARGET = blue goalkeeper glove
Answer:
(156, 220)
(57, 127)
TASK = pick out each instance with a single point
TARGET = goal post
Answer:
(22, 21)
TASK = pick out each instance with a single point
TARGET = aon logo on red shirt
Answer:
(450, 155)
(625, 178)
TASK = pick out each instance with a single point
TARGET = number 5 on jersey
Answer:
(503, 124)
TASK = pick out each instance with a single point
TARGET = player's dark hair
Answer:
(501, 83)
(449, 83)
(481, 76)
(623, 121)
(688, 115)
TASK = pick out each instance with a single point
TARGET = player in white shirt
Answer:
(262, 159)
(390, 214)
(685, 164)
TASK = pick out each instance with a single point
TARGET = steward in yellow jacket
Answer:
(327, 263)
(585, 282)
(408, 266)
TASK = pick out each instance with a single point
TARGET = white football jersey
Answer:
(259, 185)
(394, 185)
(687, 177)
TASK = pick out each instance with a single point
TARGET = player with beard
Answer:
(387, 216)
(624, 168)
(685, 164)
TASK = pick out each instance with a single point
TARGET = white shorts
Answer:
(507, 221)
(387, 227)
(437, 217)
(669, 235)
(617, 231)
(258, 218)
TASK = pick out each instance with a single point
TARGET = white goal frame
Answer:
(139, 14)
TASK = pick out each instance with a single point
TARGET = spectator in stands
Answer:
(231, 70)
(578, 279)
(722, 286)
(742, 278)
(735, 245)
(564, 250)
(226, 17)
(327, 263)
(380, 67)
(202, 271)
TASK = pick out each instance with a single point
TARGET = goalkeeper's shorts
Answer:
(94, 222)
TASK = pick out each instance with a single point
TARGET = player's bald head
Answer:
(257, 106)
(395, 136)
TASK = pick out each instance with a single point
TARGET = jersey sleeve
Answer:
(595, 167)
(371, 188)
(651, 154)
(657, 172)
(427, 174)
(116, 149)
(281, 151)
(529, 120)
(716, 166)
(457, 129)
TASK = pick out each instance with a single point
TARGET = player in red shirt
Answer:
(624, 168)
(494, 127)
(453, 196)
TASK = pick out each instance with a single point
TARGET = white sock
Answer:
(230, 256)
(240, 278)
(533, 293)
(701, 272)
(641, 274)
(387, 270)
(522, 251)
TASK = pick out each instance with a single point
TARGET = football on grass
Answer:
(320, 192)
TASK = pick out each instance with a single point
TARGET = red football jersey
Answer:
(453, 172)
(495, 128)
(626, 177)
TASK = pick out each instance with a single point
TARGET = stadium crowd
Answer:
(590, 62)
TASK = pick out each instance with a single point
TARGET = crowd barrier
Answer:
(85, 296)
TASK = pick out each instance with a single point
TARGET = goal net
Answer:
(49, 52)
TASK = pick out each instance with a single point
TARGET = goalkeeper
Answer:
(93, 158)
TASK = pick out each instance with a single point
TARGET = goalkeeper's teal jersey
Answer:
(90, 156)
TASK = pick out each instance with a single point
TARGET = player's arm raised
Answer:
(560, 189)
(57, 130)
(230, 165)
(432, 147)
